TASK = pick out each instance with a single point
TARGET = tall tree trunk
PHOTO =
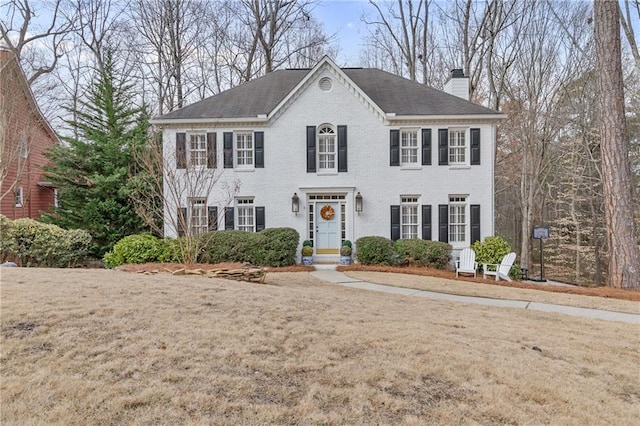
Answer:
(624, 256)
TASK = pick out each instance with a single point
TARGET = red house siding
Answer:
(25, 136)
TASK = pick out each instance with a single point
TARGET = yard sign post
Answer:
(540, 233)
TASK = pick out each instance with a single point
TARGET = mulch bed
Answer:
(614, 293)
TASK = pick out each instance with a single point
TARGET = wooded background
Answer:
(533, 60)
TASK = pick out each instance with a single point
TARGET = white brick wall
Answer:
(369, 171)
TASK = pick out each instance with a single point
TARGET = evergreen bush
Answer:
(375, 251)
(276, 247)
(492, 250)
(433, 254)
(37, 244)
(228, 246)
(140, 248)
(271, 247)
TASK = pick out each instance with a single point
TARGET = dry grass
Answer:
(110, 347)
(489, 288)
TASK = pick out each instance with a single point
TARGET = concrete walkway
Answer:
(328, 273)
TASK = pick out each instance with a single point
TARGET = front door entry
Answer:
(327, 228)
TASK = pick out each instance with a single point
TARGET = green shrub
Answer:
(229, 246)
(347, 243)
(345, 251)
(492, 250)
(76, 247)
(271, 247)
(174, 250)
(375, 251)
(140, 248)
(38, 244)
(276, 247)
(433, 254)
(7, 245)
(307, 243)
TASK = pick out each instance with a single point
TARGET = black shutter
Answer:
(394, 142)
(182, 221)
(426, 222)
(311, 149)
(475, 147)
(395, 223)
(212, 213)
(259, 219)
(443, 223)
(475, 223)
(228, 149)
(181, 150)
(443, 147)
(342, 148)
(212, 149)
(426, 147)
(258, 140)
(228, 218)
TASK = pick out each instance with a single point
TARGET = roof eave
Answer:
(160, 121)
(475, 117)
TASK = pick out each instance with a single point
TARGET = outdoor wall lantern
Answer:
(295, 203)
(358, 203)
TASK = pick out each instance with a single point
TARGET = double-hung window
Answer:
(198, 221)
(409, 218)
(457, 219)
(326, 149)
(457, 146)
(198, 149)
(244, 149)
(409, 147)
(245, 214)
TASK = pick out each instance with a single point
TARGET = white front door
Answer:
(327, 227)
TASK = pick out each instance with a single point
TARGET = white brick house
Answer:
(360, 152)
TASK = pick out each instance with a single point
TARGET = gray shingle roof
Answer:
(393, 94)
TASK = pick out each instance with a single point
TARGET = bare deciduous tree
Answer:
(168, 188)
(21, 34)
(629, 15)
(401, 29)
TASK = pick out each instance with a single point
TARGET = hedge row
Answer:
(383, 251)
(33, 243)
(271, 247)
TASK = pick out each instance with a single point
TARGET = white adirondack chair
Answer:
(467, 263)
(502, 269)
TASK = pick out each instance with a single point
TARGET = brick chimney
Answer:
(458, 84)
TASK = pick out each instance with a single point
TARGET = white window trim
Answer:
(334, 134)
(203, 225)
(245, 204)
(20, 197)
(190, 150)
(410, 165)
(236, 150)
(410, 201)
(459, 201)
(461, 164)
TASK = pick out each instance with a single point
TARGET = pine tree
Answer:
(91, 172)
